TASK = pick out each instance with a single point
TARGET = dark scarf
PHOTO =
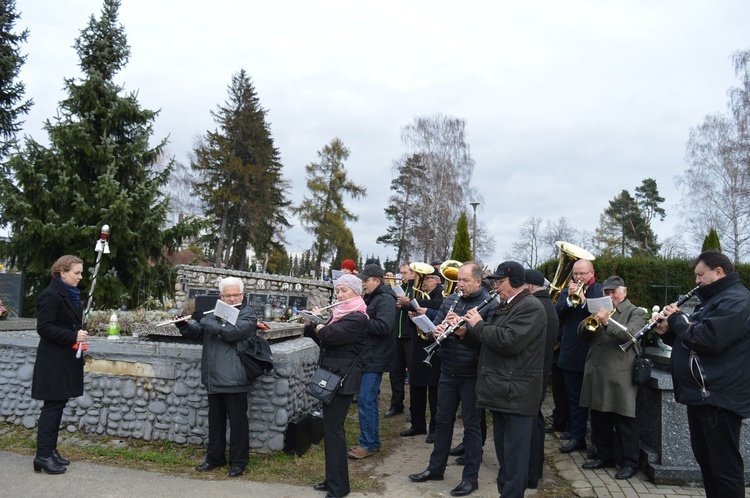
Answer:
(75, 293)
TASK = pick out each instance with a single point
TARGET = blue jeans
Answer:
(369, 416)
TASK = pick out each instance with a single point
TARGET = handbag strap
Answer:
(320, 362)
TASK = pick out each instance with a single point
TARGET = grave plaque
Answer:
(11, 292)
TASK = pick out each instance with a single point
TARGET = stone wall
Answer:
(135, 388)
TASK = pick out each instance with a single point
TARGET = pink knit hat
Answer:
(351, 281)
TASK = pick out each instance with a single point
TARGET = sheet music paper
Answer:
(226, 312)
(398, 290)
(414, 304)
(424, 323)
(595, 304)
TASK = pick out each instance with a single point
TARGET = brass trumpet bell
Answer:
(449, 271)
(592, 323)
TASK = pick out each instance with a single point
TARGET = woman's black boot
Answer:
(60, 459)
(49, 464)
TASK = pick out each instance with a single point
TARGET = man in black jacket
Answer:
(458, 380)
(404, 334)
(710, 358)
(536, 284)
(377, 355)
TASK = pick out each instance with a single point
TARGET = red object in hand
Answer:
(85, 347)
(260, 325)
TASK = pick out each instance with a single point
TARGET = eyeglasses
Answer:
(580, 274)
(232, 296)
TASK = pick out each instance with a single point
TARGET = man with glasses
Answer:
(574, 349)
(710, 371)
(224, 377)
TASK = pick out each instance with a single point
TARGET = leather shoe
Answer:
(573, 445)
(566, 435)
(392, 412)
(329, 495)
(461, 460)
(425, 476)
(51, 466)
(626, 473)
(205, 467)
(457, 450)
(236, 471)
(597, 464)
(321, 486)
(553, 428)
(411, 431)
(465, 488)
(430, 439)
(60, 459)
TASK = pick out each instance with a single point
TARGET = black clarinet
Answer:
(450, 330)
(646, 328)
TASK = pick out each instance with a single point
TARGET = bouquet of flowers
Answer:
(3, 311)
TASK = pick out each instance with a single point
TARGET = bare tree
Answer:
(526, 249)
(674, 247)
(554, 231)
(445, 187)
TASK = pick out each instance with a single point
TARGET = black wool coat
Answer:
(58, 374)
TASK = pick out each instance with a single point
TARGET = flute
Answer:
(188, 317)
(634, 339)
(317, 317)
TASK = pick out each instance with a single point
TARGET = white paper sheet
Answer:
(424, 323)
(595, 304)
(227, 312)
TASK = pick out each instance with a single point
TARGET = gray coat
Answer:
(608, 376)
(221, 369)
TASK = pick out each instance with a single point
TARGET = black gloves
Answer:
(197, 316)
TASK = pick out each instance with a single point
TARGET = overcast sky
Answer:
(566, 102)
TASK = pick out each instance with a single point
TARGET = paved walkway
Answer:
(411, 456)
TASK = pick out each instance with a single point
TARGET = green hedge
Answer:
(645, 277)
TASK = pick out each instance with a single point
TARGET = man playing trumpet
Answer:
(608, 389)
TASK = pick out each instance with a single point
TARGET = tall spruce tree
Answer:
(623, 229)
(399, 207)
(240, 183)
(711, 241)
(462, 242)
(325, 213)
(98, 168)
(12, 104)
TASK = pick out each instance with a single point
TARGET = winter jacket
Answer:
(380, 341)
(713, 344)
(341, 343)
(221, 369)
(574, 349)
(458, 359)
(512, 356)
(608, 378)
(58, 374)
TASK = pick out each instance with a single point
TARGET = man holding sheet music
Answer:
(458, 379)
(230, 327)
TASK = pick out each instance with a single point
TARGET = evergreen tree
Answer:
(345, 249)
(12, 105)
(711, 241)
(649, 200)
(462, 242)
(624, 231)
(241, 184)
(99, 168)
(398, 210)
(324, 213)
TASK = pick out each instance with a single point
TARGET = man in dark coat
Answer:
(510, 372)
(710, 358)
(537, 286)
(574, 349)
(404, 333)
(377, 355)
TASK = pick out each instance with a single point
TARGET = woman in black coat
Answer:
(341, 341)
(58, 374)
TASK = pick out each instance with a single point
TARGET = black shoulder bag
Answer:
(257, 359)
(324, 383)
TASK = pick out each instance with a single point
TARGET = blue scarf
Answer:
(75, 293)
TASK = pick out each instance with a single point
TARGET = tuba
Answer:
(569, 254)
(449, 271)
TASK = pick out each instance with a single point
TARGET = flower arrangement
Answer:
(3, 311)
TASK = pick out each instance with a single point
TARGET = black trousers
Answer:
(234, 407)
(616, 437)
(715, 438)
(337, 469)
(512, 437)
(536, 455)
(398, 373)
(49, 427)
(418, 396)
(451, 392)
(561, 411)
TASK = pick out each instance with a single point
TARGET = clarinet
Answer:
(430, 350)
(646, 328)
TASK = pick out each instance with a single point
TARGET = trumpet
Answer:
(646, 328)
(576, 297)
(430, 350)
(185, 318)
(591, 323)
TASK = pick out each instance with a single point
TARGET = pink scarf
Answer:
(356, 305)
